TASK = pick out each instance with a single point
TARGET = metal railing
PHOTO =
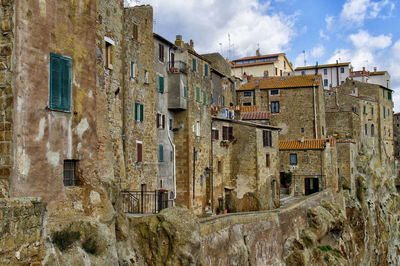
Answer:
(177, 67)
(144, 202)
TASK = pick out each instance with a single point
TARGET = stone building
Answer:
(245, 166)
(295, 103)
(312, 162)
(262, 65)
(193, 134)
(333, 75)
(346, 157)
(396, 134)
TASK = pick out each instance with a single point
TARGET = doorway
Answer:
(311, 185)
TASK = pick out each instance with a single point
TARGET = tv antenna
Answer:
(229, 48)
(305, 61)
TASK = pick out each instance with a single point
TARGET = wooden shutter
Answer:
(264, 138)
(224, 133)
(230, 133)
(206, 70)
(163, 121)
(161, 84)
(141, 112)
(66, 85)
(194, 64)
(139, 152)
(216, 134)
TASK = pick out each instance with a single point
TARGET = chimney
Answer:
(363, 71)
(191, 44)
(374, 69)
(178, 41)
(258, 52)
(316, 68)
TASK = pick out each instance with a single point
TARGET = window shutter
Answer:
(55, 81)
(206, 70)
(270, 138)
(204, 97)
(184, 92)
(216, 134)
(224, 133)
(264, 138)
(230, 133)
(161, 84)
(141, 112)
(194, 64)
(66, 85)
(160, 153)
(163, 121)
(198, 94)
(139, 152)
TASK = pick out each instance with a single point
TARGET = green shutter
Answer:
(161, 84)
(198, 94)
(384, 113)
(141, 112)
(194, 65)
(206, 70)
(389, 95)
(372, 110)
(184, 92)
(365, 109)
(383, 93)
(204, 97)
(160, 153)
(60, 82)
(136, 112)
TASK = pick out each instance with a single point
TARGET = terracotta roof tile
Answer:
(308, 144)
(345, 141)
(282, 82)
(255, 116)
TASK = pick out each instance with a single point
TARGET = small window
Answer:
(219, 167)
(247, 94)
(171, 124)
(161, 84)
(194, 65)
(267, 160)
(389, 95)
(161, 52)
(133, 70)
(302, 130)
(227, 133)
(134, 31)
(139, 112)
(247, 104)
(325, 83)
(206, 70)
(365, 110)
(281, 73)
(276, 71)
(323, 131)
(215, 134)
(198, 128)
(163, 122)
(139, 158)
(267, 138)
(109, 55)
(372, 130)
(366, 129)
(198, 94)
(372, 110)
(384, 113)
(70, 173)
(293, 159)
(274, 92)
(342, 70)
(160, 153)
(60, 82)
(158, 120)
(184, 92)
(275, 107)
(303, 73)
(146, 77)
(325, 71)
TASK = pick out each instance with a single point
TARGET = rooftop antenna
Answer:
(305, 62)
(220, 47)
(229, 48)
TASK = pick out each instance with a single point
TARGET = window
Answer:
(388, 112)
(325, 82)
(204, 97)
(247, 94)
(276, 71)
(267, 138)
(60, 82)
(139, 158)
(161, 84)
(215, 134)
(161, 52)
(274, 107)
(219, 167)
(227, 133)
(293, 159)
(342, 70)
(184, 92)
(171, 124)
(302, 130)
(384, 113)
(246, 104)
(303, 73)
(383, 91)
(325, 71)
(198, 128)
(133, 70)
(146, 77)
(158, 120)
(198, 94)
(366, 130)
(109, 55)
(194, 65)
(281, 73)
(163, 122)
(139, 112)
(342, 82)
(160, 153)
(372, 110)
(372, 130)
(70, 173)
(274, 92)
(389, 95)
(365, 110)
(267, 160)
(206, 70)
(284, 64)
(323, 131)
(135, 32)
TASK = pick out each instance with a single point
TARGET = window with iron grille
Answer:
(247, 94)
(70, 173)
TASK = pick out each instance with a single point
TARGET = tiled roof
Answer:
(345, 141)
(322, 66)
(255, 116)
(258, 57)
(308, 144)
(282, 82)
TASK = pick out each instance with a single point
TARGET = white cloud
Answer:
(364, 40)
(208, 22)
(354, 12)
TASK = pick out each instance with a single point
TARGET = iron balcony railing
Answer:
(144, 202)
(177, 67)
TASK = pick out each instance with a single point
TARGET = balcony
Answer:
(177, 86)
(177, 67)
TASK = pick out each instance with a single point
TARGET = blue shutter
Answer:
(384, 113)
(160, 153)
(206, 70)
(60, 82)
(194, 64)
(184, 92)
(161, 84)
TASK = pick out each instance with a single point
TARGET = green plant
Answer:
(218, 210)
(288, 177)
(326, 258)
(345, 186)
(65, 238)
(325, 248)
(90, 245)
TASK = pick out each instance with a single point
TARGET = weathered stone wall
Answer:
(22, 231)
(7, 63)
(346, 156)
(343, 124)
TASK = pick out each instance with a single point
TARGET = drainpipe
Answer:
(174, 166)
(315, 113)
(212, 170)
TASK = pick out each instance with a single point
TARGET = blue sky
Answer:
(364, 32)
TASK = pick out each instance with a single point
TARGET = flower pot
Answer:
(288, 185)
(225, 211)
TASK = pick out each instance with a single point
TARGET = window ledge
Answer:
(58, 110)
